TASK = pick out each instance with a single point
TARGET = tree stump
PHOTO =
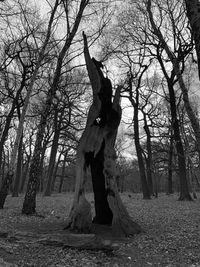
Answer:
(96, 150)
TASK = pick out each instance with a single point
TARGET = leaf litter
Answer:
(171, 234)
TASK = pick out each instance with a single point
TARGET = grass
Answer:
(171, 234)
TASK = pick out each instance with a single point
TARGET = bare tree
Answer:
(29, 204)
(9, 176)
(96, 149)
(185, 49)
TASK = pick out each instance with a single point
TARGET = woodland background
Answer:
(45, 92)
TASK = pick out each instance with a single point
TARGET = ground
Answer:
(171, 235)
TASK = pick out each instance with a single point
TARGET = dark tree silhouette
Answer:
(96, 149)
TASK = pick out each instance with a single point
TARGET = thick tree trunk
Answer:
(193, 13)
(102, 210)
(29, 204)
(96, 149)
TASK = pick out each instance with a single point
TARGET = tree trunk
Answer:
(41, 168)
(62, 173)
(149, 157)
(145, 188)
(50, 171)
(170, 158)
(193, 13)
(55, 172)
(25, 173)
(29, 204)
(184, 190)
(18, 170)
(96, 146)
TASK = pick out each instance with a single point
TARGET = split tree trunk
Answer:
(96, 149)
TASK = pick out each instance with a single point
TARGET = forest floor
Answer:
(171, 234)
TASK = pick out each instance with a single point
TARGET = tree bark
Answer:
(145, 188)
(18, 170)
(149, 157)
(193, 13)
(25, 173)
(50, 171)
(96, 149)
(170, 158)
(62, 173)
(55, 172)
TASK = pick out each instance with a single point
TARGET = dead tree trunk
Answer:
(96, 149)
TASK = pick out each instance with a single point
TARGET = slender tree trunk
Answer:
(29, 204)
(97, 147)
(25, 174)
(3, 167)
(18, 170)
(41, 168)
(62, 173)
(55, 172)
(145, 188)
(50, 170)
(170, 158)
(149, 157)
(135, 104)
(184, 190)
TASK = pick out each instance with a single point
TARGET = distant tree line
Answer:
(45, 93)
